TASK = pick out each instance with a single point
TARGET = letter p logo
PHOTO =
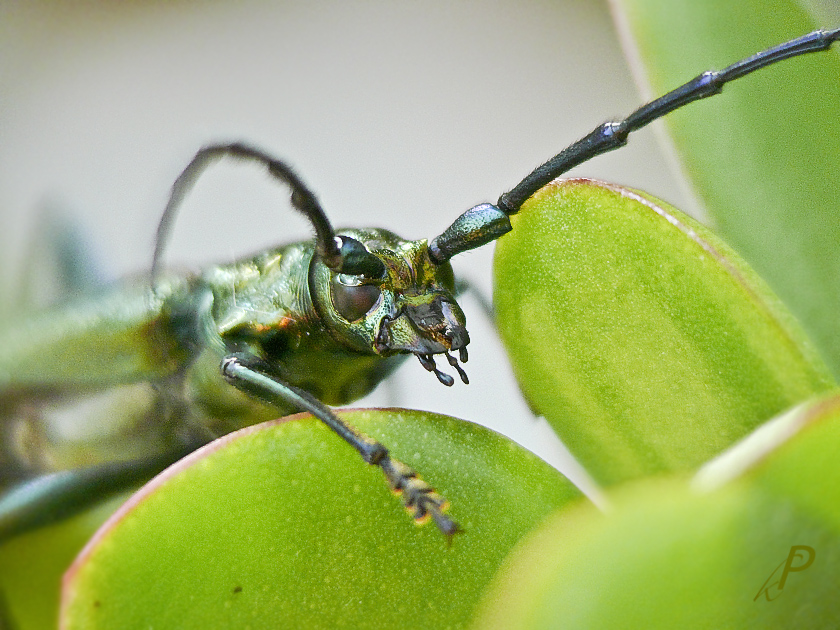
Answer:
(799, 558)
(795, 552)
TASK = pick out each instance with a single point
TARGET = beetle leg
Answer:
(252, 376)
(44, 499)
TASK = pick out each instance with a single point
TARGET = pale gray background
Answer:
(399, 115)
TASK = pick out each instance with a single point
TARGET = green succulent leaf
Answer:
(760, 550)
(764, 156)
(644, 340)
(794, 455)
(31, 566)
(282, 525)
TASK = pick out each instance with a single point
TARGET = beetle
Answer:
(299, 327)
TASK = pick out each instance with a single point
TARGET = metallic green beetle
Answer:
(296, 328)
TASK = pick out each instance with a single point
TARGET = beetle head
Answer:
(409, 308)
(401, 299)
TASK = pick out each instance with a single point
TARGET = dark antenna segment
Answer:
(612, 135)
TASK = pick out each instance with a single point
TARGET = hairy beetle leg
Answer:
(253, 376)
(419, 498)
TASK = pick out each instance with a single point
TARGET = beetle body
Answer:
(161, 348)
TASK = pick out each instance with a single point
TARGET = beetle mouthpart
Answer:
(428, 362)
(454, 363)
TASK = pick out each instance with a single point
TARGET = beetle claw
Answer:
(419, 498)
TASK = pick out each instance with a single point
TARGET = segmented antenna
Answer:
(340, 253)
(612, 135)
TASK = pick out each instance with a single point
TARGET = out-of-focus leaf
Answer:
(667, 557)
(31, 566)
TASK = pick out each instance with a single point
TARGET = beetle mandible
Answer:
(296, 328)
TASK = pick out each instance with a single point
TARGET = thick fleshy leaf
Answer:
(642, 338)
(282, 525)
(31, 566)
(759, 551)
(763, 156)
(794, 455)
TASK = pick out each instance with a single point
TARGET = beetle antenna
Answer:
(476, 227)
(612, 135)
(340, 253)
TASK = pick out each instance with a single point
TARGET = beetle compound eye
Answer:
(352, 299)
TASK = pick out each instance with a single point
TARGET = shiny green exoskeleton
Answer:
(320, 335)
(296, 328)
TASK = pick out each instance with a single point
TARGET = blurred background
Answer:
(398, 115)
